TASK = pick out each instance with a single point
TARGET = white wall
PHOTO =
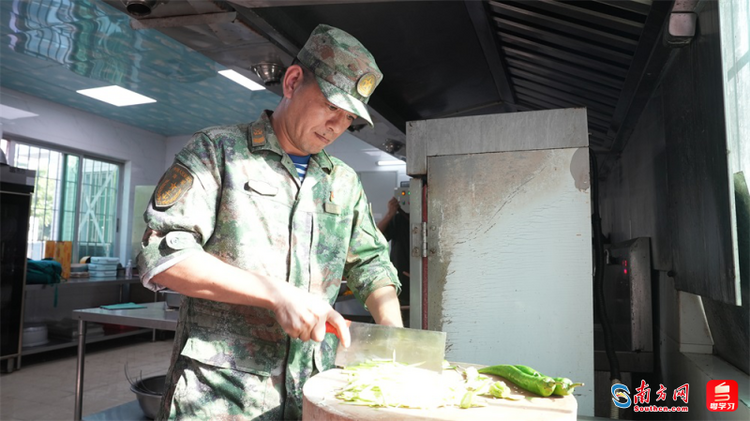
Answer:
(173, 145)
(363, 158)
(141, 152)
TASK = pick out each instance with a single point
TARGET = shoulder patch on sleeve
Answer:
(173, 185)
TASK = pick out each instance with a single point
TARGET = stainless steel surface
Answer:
(627, 294)
(507, 227)
(172, 298)
(269, 73)
(180, 21)
(700, 213)
(149, 391)
(403, 195)
(86, 282)
(495, 133)
(487, 37)
(415, 255)
(142, 8)
(154, 316)
(20, 176)
(79, 369)
(409, 346)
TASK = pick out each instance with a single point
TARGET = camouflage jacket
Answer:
(236, 195)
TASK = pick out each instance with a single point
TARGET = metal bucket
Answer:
(149, 392)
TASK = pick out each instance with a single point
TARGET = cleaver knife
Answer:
(403, 345)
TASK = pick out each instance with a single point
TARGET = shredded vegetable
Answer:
(386, 383)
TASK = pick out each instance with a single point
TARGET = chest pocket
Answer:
(260, 187)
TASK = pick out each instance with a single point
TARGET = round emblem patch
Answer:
(366, 84)
(173, 185)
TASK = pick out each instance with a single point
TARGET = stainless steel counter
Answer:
(154, 316)
(87, 282)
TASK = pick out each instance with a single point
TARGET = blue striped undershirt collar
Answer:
(300, 163)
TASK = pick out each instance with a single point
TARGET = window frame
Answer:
(13, 140)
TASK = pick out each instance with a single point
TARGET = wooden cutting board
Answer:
(320, 404)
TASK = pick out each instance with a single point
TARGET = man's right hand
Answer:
(303, 316)
(392, 207)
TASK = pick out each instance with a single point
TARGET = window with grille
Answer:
(75, 199)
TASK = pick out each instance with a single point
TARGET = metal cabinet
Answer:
(16, 187)
(505, 263)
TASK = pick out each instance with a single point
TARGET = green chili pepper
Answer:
(564, 386)
(528, 370)
(541, 385)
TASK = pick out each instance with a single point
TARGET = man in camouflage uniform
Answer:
(259, 253)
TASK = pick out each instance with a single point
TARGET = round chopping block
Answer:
(319, 403)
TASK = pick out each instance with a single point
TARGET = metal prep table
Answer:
(154, 316)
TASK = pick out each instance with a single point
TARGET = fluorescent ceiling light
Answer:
(116, 95)
(10, 113)
(242, 80)
(391, 162)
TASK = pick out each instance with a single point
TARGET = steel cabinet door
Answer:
(509, 256)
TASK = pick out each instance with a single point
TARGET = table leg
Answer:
(79, 369)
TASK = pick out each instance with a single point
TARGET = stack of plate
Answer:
(103, 267)
(35, 334)
(79, 270)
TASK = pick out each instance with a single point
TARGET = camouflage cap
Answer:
(345, 70)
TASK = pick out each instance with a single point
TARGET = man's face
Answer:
(314, 121)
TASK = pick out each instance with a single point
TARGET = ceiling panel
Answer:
(50, 49)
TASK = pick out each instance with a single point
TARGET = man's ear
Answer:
(292, 80)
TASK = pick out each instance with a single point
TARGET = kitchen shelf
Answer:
(55, 344)
(155, 316)
(77, 287)
(86, 282)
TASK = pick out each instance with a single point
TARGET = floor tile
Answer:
(46, 390)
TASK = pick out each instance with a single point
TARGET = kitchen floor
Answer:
(44, 387)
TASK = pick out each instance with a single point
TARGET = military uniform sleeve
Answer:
(368, 266)
(180, 217)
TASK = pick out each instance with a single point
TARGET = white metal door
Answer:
(509, 257)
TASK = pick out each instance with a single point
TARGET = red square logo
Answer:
(721, 395)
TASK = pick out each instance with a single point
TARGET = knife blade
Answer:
(408, 346)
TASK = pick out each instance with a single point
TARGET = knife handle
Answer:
(332, 329)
